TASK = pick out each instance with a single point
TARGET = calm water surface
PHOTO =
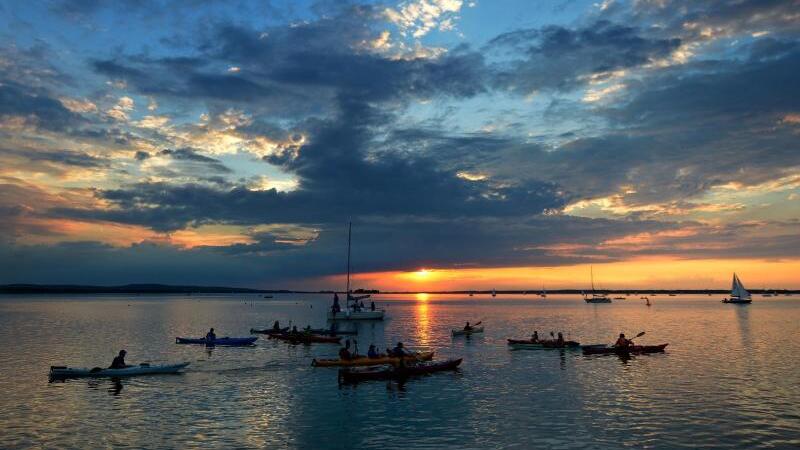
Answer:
(729, 378)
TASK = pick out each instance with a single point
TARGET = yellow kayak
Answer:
(364, 361)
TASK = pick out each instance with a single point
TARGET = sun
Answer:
(422, 274)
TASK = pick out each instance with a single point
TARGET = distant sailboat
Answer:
(597, 297)
(543, 294)
(738, 293)
(494, 293)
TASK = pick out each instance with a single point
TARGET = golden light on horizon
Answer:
(640, 273)
(423, 297)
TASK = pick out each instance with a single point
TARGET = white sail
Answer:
(737, 289)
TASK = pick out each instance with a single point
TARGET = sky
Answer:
(472, 144)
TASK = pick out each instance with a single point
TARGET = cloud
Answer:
(555, 57)
(35, 106)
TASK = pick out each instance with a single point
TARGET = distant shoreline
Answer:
(188, 290)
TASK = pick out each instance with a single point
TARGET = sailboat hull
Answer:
(737, 301)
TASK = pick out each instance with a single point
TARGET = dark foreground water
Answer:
(729, 379)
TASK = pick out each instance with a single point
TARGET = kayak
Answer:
(635, 350)
(528, 344)
(329, 332)
(269, 331)
(227, 341)
(390, 372)
(463, 332)
(306, 338)
(364, 361)
(143, 369)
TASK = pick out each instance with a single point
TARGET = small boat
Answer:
(353, 312)
(634, 350)
(390, 372)
(463, 332)
(619, 298)
(597, 297)
(306, 338)
(529, 344)
(269, 331)
(331, 332)
(494, 293)
(142, 369)
(224, 341)
(267, 296)
(365, 361)
(673, 295)
(738, 293)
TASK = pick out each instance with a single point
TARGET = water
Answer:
(729, 377)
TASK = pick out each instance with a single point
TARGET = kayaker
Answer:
(560, 340)
(535, 337)
(276, 326)
(467, 327)
(119, 361)
(622, 342)
(399, 351)
(210, 336)
(372, 352)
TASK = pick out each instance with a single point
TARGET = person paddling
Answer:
(399, 351)
(372, 352)
(119, 361)
(468, 327)
(535, 337)
(211, 336)
(560, 340)
(622, 342)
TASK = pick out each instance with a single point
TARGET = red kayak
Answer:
(303, 338)
(634, 350)
(389, 372)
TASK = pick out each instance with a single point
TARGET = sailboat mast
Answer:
(349, 234)
(591, 274)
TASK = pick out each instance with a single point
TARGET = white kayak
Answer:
(142, 369)
(462, 331)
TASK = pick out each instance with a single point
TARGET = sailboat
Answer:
(543, 294)
(597, 297)
(351, 310)
(494, 293)
(738, 293)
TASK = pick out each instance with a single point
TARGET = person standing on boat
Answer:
(211, 336)
(276, 326)
(336, 307)
(560, 340)
(372, 306)
(119, 361)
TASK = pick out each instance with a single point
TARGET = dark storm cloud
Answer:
(192, 161)
(60, 157)
(556, 57)
(22, 101)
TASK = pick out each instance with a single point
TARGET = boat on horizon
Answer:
(352, 310)
(597, 297)
(739, 294)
